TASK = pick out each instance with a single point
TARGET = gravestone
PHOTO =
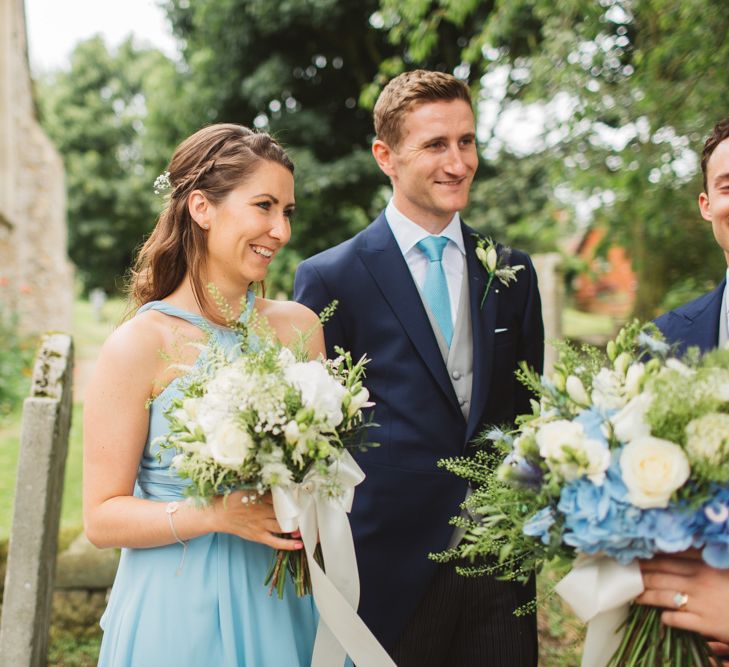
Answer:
(26, 611)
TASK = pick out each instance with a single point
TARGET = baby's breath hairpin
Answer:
(162, 183)
(495, 263)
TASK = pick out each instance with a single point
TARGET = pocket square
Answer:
(500, 330)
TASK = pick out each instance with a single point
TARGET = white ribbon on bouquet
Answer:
(308, 507)
(599, 590)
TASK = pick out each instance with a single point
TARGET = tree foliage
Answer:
(628, 88)
(95, 113)
(296, 69)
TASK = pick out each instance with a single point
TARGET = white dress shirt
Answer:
(408, 233)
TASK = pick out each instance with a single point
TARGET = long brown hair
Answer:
(214, 160)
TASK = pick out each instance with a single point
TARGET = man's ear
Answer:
(705, 206)
(200, 208)
(383, 156)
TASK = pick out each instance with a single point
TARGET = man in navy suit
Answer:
(410, 290)
(703, 322)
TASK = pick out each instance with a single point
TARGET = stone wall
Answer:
(36, 277)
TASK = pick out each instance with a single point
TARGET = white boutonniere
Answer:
(495, 263)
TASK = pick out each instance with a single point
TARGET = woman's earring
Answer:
(206, 227)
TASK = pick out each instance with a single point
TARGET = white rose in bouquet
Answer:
(607, 390)
(630, 423)
(570, 454)
(652, 470)
(319, 390)
(229, 444)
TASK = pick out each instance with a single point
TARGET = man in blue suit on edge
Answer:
(410, 290)
(703, 322)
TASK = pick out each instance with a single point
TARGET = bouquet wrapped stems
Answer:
(648, 643)
(295, 563)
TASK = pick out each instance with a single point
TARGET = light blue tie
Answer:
(435, 288)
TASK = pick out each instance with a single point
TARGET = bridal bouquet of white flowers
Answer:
(266, 419)
(625, 455)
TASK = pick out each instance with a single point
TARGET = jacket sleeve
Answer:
(531, 342)
(311, 290)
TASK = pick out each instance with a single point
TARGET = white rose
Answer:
(607, 390)
(576, 390)
(319, 390)
(652, 470)
(633, 379)
(630, 423)
(570, 454)
(230, 445)
(598, 460)
(551, 437)
(707, 438)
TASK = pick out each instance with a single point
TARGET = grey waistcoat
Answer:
(459, 362)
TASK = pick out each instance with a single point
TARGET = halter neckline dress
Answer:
(217, 611)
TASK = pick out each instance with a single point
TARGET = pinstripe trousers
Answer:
(468, 622)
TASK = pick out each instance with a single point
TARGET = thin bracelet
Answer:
(171, 508)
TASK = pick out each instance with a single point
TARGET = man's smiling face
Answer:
(714, 203)
(434, 163)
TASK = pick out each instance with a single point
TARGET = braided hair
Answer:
(215, 160)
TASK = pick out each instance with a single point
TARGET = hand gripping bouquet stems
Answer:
(624, 456)
(264, 417)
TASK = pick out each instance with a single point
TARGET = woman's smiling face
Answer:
(250, 226)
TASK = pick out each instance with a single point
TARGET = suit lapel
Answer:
(483, 321)
(388, 267)
(702, 326)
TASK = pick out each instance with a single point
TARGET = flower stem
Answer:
(646, 642)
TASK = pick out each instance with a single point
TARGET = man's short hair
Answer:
(718, 134)
(409, 89)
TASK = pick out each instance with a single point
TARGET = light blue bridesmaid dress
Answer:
(217, 610)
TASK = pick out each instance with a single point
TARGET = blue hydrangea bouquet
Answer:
(625, 455)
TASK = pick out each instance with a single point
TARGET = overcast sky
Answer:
(55, 26)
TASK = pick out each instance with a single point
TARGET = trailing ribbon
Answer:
(311, 509)
(599, 591)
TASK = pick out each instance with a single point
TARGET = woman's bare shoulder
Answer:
(287, 318)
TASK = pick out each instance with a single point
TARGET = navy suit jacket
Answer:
(696, 323)
(401, 511)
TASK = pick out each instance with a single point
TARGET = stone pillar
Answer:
(26, 611)
(36, 277)
(551, 289)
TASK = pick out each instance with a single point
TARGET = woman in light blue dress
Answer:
(189, 590)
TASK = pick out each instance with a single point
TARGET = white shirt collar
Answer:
(407, 233)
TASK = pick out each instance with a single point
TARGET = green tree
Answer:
(297, 68)
(632, 86)
(95, 113)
